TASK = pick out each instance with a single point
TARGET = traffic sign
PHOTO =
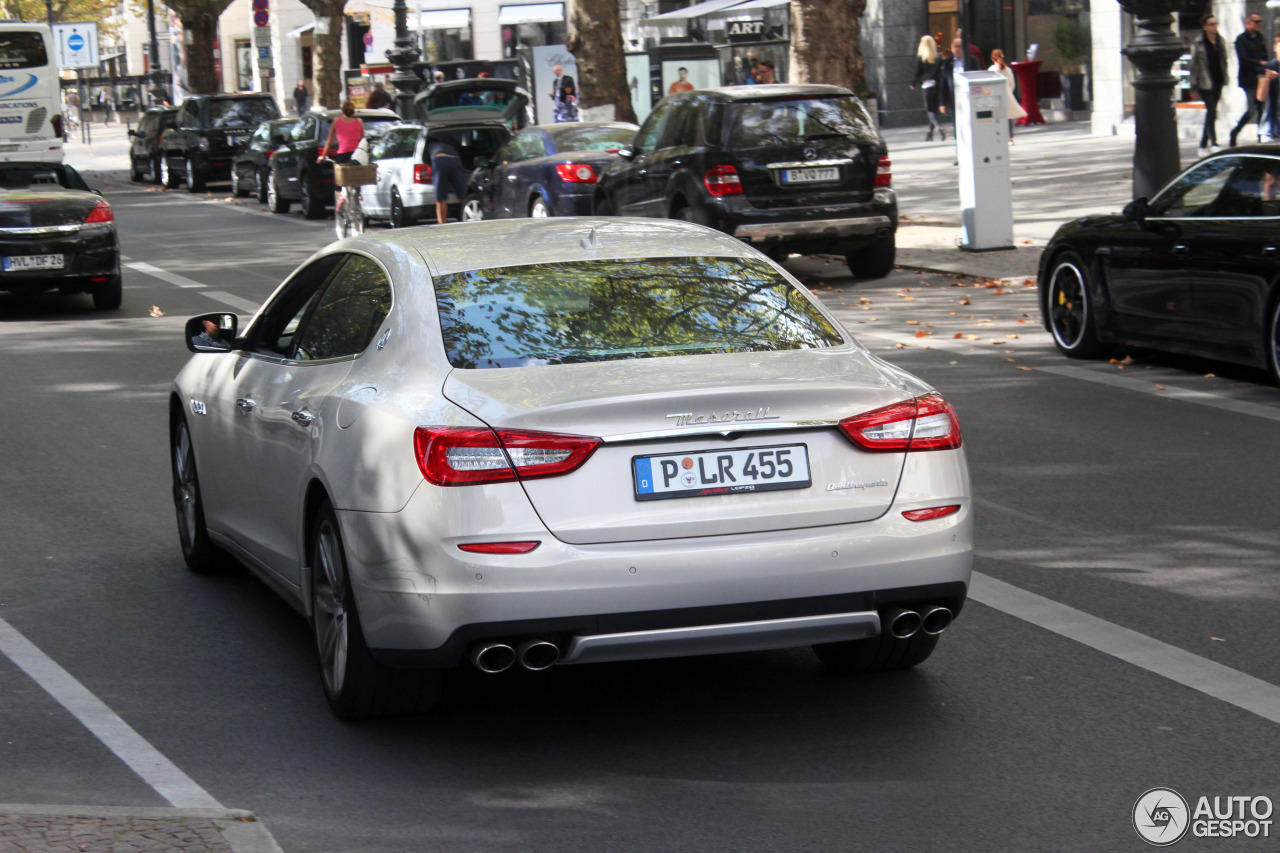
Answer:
(260, 5)
(260, 18)
(76, 44)
(262, 36)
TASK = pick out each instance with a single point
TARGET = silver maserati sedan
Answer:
(561, 441)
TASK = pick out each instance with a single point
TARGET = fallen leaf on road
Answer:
(953, 362)
(1024, 367)
(1015, 337)
(1026, 242)
(999, 343)
(923, 334)
(966, 301)
(958, 335)
(913, 322)
(864, 301)
(1210, 376)
(1161, 388)
(155, 311)
(972, 337)
(1010, 359)
(1217, 639)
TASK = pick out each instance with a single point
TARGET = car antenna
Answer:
(591, 241)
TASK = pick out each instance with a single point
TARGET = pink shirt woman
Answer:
(349, 130)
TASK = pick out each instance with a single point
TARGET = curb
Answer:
(241, 830)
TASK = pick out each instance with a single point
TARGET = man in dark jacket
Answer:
(1252, 54)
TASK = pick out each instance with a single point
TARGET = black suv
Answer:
(786, 168)
(295, 174)
(210, 129)
(144, 143)
(251, 167)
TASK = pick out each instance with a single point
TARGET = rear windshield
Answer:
(440, 104)
(241, 112)
(22, 50)
(593, 138)
(618, 309)
(757, 123)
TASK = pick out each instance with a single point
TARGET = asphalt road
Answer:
(1120, 636)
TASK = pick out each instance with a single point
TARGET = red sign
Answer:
(260, 18)
(260, 5)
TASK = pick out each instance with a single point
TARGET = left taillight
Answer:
(100, 215)
(463, 456)
(722, 180)
(926, 422)
(884, 171)
(576, 173)
(422, 173)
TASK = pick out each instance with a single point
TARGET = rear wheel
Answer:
(876, 654)
(135, 174)
(108, 295)
(472, 210)
(1273, 343)
(260, 186)
(275, 201)
(201, 555)
(195, 180)
(355, 684)
(238, 187)
(539, 209)
(874, 260)
(313, 203)
(1072, 318)
(400, 218)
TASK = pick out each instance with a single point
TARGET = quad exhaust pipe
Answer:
(533, 654)
(537, 655)
(902, 623)
(492, 657)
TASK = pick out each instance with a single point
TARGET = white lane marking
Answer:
(163, 275)
(232, 300)
(1183, 667)
(141, 757)
(1184, 394)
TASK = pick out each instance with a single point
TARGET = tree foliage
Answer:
(825, 46)
(64, 11)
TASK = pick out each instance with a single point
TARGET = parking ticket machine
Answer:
(982, 146)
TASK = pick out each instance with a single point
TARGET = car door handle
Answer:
(1181, 249)
(1268, 250)
(244, 404)
(303, 418)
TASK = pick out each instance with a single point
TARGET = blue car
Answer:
(546, 170)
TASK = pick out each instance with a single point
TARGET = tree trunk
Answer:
(202, 73)
(595, 40)
(824, 42)
(326, 53)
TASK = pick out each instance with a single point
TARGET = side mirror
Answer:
(133, 133)
(1136, 210)
(212, 332)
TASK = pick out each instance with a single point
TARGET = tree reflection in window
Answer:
(607, 310)
(349, 314)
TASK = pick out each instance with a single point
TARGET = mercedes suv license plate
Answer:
(721, 472)
(33, 262)
(810, 176)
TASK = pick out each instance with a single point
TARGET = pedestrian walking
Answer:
(1269, 95)
(765, 72)
(378, 98)
(1015, 110)
(300, 97)
(104, 100)
(1251, 56)
(1208, 76)
(565, 101)
(928, 70)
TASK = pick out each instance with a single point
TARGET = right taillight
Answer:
(422, 173)
(464, 456)
(884, 171)
(926, 422)
(722, 180)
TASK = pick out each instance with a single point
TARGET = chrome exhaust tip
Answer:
(493, 657)
(936, 620)
(537, 655)
(902, 623)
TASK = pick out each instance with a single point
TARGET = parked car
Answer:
(144, 142)
(251, 166)
(787, 168)
(476, 115)
(566, 441)
(57, 234)
(295, 174)
(1195, 269)
(548, 170)
(210, 130)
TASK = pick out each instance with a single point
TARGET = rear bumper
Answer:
(40, 151)
(824, 229)
(830, 228)
(87, 256)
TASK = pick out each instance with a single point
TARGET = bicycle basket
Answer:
(354, 174)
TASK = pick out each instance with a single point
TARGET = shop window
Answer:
(445, 35)
(533, 25)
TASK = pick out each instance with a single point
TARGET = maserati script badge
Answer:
(690, 419)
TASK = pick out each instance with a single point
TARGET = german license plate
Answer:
(721, 472)
(810, 176)
(14, 263)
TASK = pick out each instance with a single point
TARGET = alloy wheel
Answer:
(185, 488)
(1068, 305)
(471, 210)
(329, 602)
(539, 210)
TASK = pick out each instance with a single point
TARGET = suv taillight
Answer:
(422, 173)
(884, 172)
(576, 173)
(56, 121)
(926, 422)
(100, 215)
(462, 456)
(723, 180)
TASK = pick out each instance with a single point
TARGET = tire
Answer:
(237, 189)
(876, 654)
(108, 296)
(260, 186)
(312, 206)
(472, 209)
(200, 554)
(195, 181)
(344, 225)
(1273, 343)
(1069, 306)
(155, 171)
(136, 175)
(539, 209)
(167, 178)
(277, 202)
(685, 212)
(400, 218)
(873, 261)
(602, 206)
(355, 684)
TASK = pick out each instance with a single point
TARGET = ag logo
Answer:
(1161, 817)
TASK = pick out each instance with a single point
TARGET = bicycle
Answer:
(348, 213)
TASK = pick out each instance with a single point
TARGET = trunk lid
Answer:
(682, 407)
(21, 210)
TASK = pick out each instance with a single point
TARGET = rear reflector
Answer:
(723, 180)
(930, 513)
(576, 173)
(884, 172)
(422, 173)
(499, 547)
(462, 456)
(926, 422)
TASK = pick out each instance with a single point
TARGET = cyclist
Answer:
(349, 130)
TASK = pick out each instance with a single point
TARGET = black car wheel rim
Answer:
(1068, 304)
(329, 603)
(185, 489)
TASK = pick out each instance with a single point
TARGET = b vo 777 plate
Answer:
(810, 176)
(721, 472)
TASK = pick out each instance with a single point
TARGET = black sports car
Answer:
(56, 234)
(1195, 269)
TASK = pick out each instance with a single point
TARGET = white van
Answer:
(30, 107)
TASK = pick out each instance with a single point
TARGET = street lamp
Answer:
(1153, 50)
(403, 55)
